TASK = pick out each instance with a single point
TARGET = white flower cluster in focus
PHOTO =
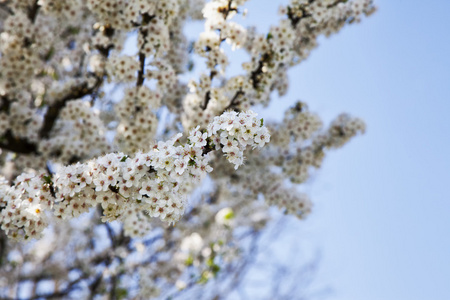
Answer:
(153, 182)
(235, 132)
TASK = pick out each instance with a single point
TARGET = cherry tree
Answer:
(122, 179)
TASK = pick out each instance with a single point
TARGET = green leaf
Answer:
(229, 215)
(49, 54)
(124, 158)
(189, 261)
(48, 179)
(121, 293)
(210, 262)
(73, 30)
(204, 277)
(215, 269)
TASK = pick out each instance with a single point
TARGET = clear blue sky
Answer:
(382, 204)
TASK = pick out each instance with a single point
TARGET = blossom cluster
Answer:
(148, 181)
(300, 123)
(137, 121)
(235, 132)
(123, 68)
(298, 157)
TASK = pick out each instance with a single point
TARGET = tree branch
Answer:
(4, 7)
(33, 10)
(17, 145)
(3, 245)
(53, 110)
(233, 101)
(146, 18)
(140, 80)
(207, 98)
(5, 104)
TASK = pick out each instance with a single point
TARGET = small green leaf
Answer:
(49, 54)
(204, 277)
(210, 262)
(215, 269)
(124, 158)
(48, 179)
(191, 162)
(189, 261)
(121, 293)
(229, 215)
(73, 30)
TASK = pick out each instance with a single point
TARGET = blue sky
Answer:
(381, 215)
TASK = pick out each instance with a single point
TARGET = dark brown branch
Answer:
(336, 3)
(208, 148)
(4, 7)
(112, 292)
(111, 235)
(212, 74)
(33, 10)
(207, 98)
(4, 104)
(53, 110)
(17, 145)
(3, 245)
(59, 295)
(146, 18)
(256, 74)
(140, 80)
(109, 31)
(226, 10)
(50, 182)
(105, 50)
(233, 101)
(95, 285)
(295, 19)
